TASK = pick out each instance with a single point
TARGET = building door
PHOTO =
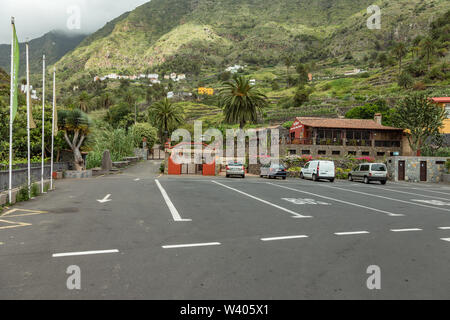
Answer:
(401, 170)
(423, 171)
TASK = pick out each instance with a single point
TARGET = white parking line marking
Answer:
(175, 215)
(446, 239)
(294, 214)
(284, 238)
(412, 193)
(444, 228)
(351, 233)
(383, 197)
(83, 253)
(406, 230)
(420, 189)
(192, 245)
(341, 201)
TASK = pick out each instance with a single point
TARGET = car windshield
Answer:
(378, 167)
(235, 164)
(278, 166)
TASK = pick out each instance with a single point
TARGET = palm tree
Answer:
(165, 116)
(428, 46)
(400, 51)
(241, 102)
(288, 61)
(83, 101)
(75, 124)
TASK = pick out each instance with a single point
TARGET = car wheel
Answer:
(366, 180)
(284, 178)
(302, 176)
(383, 182)
(331, 180)
(350, 178)
(314, 177)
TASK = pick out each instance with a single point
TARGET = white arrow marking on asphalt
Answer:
(105, 199)
(137, 179)
(446, 239)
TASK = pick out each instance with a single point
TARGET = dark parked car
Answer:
(272, 171)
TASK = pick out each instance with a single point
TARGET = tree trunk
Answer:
(78, 159)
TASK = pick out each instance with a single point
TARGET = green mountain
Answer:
(186, 35)
(54, 45)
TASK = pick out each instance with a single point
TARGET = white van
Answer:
(319, 169)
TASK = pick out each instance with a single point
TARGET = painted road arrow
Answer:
(105, 199)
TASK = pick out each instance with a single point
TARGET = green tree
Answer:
(75, 125)
(288, 61)
(302, 71)
(141, 131)
(118, 113)
(165, 116)
(241, 102)
(428, 47)
(405, 80)
(399, 51)
(421, 117)
(369, 110)
(83, 101)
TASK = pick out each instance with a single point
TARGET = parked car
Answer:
(319, 169)
(273, 171)
(235, 168)
(368, 172)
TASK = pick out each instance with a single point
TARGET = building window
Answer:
(352, 153)
(335, 152)
(306, 152)
(440, 162)
(365, 153)
(292, 152)
(381, 154)
(322, 152)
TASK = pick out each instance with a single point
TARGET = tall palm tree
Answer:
(241, 102)
(75, 124)
(288, 61)
(400, 51)
(165, 116)
(428, 46)
(83, 101)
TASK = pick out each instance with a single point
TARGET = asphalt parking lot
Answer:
(160, 237)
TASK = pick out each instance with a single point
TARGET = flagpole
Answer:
(11, 111)
(53, 127)
(43, 124)
(28, 121)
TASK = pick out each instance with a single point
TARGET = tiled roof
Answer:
(343, 123)
(441, 99)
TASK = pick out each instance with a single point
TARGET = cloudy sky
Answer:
(37, 17)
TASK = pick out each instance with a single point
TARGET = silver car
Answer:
(235, 169)
(368, 172)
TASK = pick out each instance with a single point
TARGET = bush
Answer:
(342, 173)
(34, 190)
(23, 194)
(162, 167)
(143, 130)
(447, 165)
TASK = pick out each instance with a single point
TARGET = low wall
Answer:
(20, 176)
(78, 174)
(435, 168)
(446, 178)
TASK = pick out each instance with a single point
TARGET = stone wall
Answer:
(435, 168)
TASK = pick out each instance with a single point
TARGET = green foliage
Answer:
(241, 102)
(342, 173)
(165, 116)
(120, 116)
(421, 117)
(117, 141)
(369, 110)
(405, 80)
(162, 167)
(23, 194)
(288, 124)
(141, 131)
(447, 165)
(34, 191)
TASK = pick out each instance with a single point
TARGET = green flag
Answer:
(15, 72)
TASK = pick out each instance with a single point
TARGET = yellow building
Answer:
(444, 102)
